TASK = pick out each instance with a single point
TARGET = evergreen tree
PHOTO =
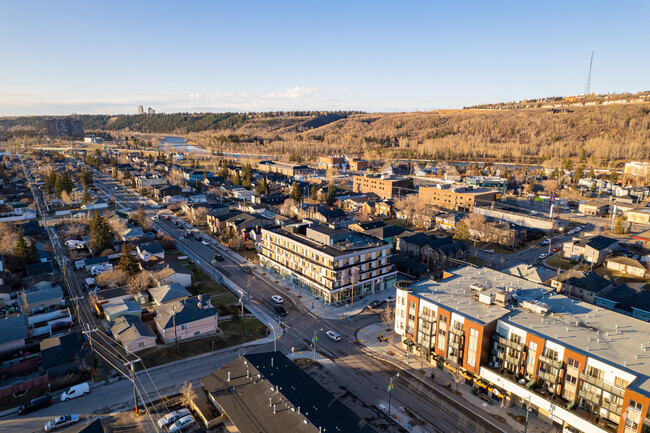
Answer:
(613, 176)
(247, 181)
(128, 263)
(235, 179)
(100, 233)
(140, 216)
(296, 194)
(50, 182)
(127, 174)
(85, 198)
(262, 187)
(33, 252)
(314, 193)
(330, 198)
(579, 174)
(21, 252)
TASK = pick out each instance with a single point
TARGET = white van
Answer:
(98, 269)
(75, 391)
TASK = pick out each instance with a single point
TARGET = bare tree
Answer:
(114, 278)
(388, 316)
(551, 185)
(200, 215)
(65, 197)
(8, 238)
(141, 281)
(287, 207)
(188, 395)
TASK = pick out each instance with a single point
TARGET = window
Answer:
(621, 383)
(634, 406)
(472, 347)
(197, 333)
(573, 363)
(183, 327)
(572, 380)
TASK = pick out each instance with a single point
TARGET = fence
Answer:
(24, 386)
(29, 365)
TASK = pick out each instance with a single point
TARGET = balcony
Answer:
(613, 390)
(550, 361)
(612, 407)
(592, 398)
(548, 377)
(500, 339)
(456, 344)
(456, 331)
(516, 360)
(592, 380)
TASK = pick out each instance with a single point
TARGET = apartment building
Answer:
(385, 187)
(459, 198)
(637, 169)
(330, 263)
(494, 182)
(285, 168)
(145, 181)
(578, 366)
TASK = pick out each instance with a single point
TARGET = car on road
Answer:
(218, 257)
(489, 251)
(246, 270)
(390, 299)
(374, 304)
(333, 336)
(545, 242)
(280, 310)
(181, 424)
(75, 391)
(204, 242)
(172, 417)
(555, 250)
(532, 212)
(36, 404)
(543, 255)
(61, 421)
(277, 299)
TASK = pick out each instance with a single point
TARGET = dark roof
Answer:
(94, 426)
(169, 293)
(31, 228)
(39, 268)
(187, 311)
(151, 248)
(589, 281)
(387, 231)
(600, 242)
(369, 225)
(419, 239)
(175, 266)
(630, 295)
(43, 295)
(61, 349)
(245, 398)
(13, 328)
(130, 328)
(331, 213)
(96, 260)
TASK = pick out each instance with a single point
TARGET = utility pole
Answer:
(175, 336)
(390, 389)
(243, 326)
(135, 391)
(92, 352)
(314, 339)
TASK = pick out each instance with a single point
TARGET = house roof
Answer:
(626, 261)
(629, 296)
(94, 426)
(536, 274)
(13, 328)
(151, 248)
(589, 281)
(169, 293)
(61, 349)
(129, 328)
(254, 380)
(369, 225)
(120, 305)
(600, 242)
(39, 268)
(42, 295)
(170, 268)
(95, 261)
(187, 311)
(387, 231)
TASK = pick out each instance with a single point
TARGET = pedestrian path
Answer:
(388, 349)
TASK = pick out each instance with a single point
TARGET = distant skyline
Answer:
(109, 57)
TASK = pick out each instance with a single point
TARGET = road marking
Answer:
(360, 330)
(340, 317)
(361, 341)
(316, 314)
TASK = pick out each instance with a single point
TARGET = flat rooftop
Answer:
(355, 241)
(455, 293)
(611, 337)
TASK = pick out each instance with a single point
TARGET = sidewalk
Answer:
(443, 380)
(315, 306)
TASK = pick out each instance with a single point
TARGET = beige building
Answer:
(626, 265)
(192, 318)
(641, 216)
(385, 187)
(594, 208)
(330, 263)
(461, 198)
(637, 169)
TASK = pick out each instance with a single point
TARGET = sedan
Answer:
(543, 255)
(218, 257)
(390, 299)
(171, 417)
(60, 422)
(204, 242)
(489, 251)
(277, 299)
(181, 424)
(555, 250)
(374, 304)
(333, 336)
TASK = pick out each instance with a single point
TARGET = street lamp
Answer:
(275, 338)
(390, 389)
(550, 241)
(314, 339)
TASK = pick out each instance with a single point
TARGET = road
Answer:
(363, 376)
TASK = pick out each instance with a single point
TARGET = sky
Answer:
(108, 57)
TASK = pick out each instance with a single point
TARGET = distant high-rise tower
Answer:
(140, 109)
(151, 111)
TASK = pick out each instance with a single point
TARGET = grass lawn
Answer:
(253, 329)
(475, 260)
(203, 283)
(224, 299)
(557, 261)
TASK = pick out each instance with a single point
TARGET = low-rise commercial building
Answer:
(493, 182)
(594, 208)
(459, 198)
(385, 187)
(519, 218)
(580, 367)
(332, 264)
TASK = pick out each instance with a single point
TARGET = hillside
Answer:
(597, 134)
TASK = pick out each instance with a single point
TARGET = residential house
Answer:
(168, 293)
(39, 299)
(186, 319)
(582, 285)
(271, 199)
(151, 250)
(62, 355)
(326, 215)
(120, 307)
(146, 181)
(536, 274)
(448, 221)
(95, 204)
(593, 250)
(243, 222)
(133, 334)
(162, 191)
(13, 332)
(172, 272)
(629, 298)
(626, 265)
(639, 215)
(40, 268)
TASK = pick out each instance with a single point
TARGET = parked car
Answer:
(555, 250)
(75, 391)
(204, 242)
(390, 299)
(246, 270)
(280, 310)
(61, 421)
(374, 304)
(543, 255)
(181, 424)
(277, 299)
(63, 324)
(489, 251)
(218, 257)
(37, 403)
(333, 336)
(172, 417)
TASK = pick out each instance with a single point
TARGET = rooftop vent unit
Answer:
(486, 298)
(535, 306)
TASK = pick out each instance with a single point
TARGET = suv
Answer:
(218, 257)
(280, 310)
(37, 403)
